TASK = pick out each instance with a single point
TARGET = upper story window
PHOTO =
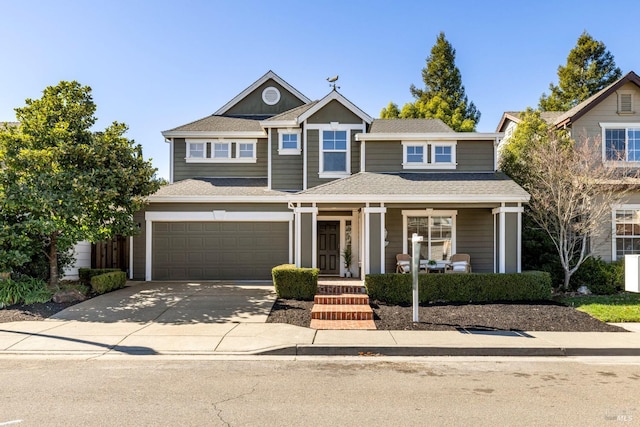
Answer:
(334, 152)
(289, 142)
(221, 151)
(429, 155)
(621, 143)
(625, 102)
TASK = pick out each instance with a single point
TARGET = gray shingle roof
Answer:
(409, 126)
(220, 124)
(424, 184)
(293, 113)
(198, 187)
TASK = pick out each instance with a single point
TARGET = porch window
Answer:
(437, 230)
(627, 232)
(334, 151)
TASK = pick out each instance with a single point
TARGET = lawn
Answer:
(623, 307)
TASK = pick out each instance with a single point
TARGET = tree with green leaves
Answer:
(63, 182)
(391, 111)
(590, 67)
(443, 96)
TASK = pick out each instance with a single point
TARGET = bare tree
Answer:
(572, 193)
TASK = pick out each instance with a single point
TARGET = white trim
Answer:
(148, 253)
(218, 199)
(218, 216)
(291, 240)
(305, 157)
(314, 238)
(507, 209)
(171, 160)
(269, 171)
(193, 142)
(614, 208)
(269, 75)
(503, 242)
(334, 174)
(214, 134)
(366, 238)
(337, 96)
(275, 90)
(222, 160)
(428, 136)
(382, 240)
(363, 153)
(519, 243)
(495, 243)
(278, 123)
(289, 151)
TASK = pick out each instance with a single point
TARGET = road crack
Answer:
(220, 402)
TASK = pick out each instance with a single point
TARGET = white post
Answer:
(415, 270)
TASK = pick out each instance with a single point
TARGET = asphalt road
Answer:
(320, 392)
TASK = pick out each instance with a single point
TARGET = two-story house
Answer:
(612, 118)
(273, 177)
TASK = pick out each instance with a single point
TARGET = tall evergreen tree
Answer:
(590, 67)
(443, 96)
(391, 111)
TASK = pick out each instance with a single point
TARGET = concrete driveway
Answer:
(178, 303)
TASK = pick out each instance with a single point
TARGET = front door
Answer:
(329, 247)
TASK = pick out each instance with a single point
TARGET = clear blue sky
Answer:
(158, 64)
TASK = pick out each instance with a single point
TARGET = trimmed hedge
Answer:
(85, 274)
(107, 282)
(483, 287)
(295, 283)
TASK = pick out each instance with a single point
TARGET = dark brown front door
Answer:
(329, 247)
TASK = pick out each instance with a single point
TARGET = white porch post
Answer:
(147, 250)
(501, 214)
(367, 237)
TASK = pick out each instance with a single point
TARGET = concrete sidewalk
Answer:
(229, 319)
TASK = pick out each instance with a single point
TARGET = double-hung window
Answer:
(626, 239)
(429, 155)
(221, 151)
(334, 151)
(437, 229)
(621, 143)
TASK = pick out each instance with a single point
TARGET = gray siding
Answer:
(139, 256)
(393, 224)
(334, 112)
(375, 243)
(386, 156)
(313, 157)
(511, 243)
(306, 240)
(253, 104)
(183, 170)
(286, 170)
(474, 235)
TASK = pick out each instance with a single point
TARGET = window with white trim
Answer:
(429, 155)
(289, 142)
(221, 151)
(621, 143)
(437, 229)
(196, 150)
(626, 232)
(334, 151)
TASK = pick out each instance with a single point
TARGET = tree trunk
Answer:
(54, 277)
(567, 278)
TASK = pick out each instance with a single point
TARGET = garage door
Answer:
(218, 250)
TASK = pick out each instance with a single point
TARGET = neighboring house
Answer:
(273, 177)
(611, 117)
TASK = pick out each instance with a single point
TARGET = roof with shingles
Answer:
(409, 126)
(220, 124)
(425, 184)
(198, 187)
(293, 113)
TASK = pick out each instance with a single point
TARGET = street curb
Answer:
(316, 350)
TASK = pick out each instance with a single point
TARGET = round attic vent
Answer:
(271, 95)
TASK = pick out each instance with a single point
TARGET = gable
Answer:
(253, 104)
(334, 111)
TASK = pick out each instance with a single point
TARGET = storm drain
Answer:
(493, 332)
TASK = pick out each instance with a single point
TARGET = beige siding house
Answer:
(610, 117)
(273, 177)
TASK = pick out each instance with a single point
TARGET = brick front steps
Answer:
(341, 304)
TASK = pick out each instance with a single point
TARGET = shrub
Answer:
(295, 283)
(26, 290)
(601, 277)
(85, 274)
(484, 287)
(107, 282)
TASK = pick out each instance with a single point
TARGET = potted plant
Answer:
(348, 258)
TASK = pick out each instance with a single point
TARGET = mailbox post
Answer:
(415, 270)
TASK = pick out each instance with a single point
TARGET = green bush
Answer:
(295, 283)
(85, 274)
(483, 287)
(601, 277)
(107, 282)
(26, 290)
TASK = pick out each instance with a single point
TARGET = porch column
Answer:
(508, 239)
(373, 238)
(306, 236)
(147, 249)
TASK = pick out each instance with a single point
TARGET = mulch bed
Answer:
(543, 316)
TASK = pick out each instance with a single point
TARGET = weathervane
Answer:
(332, 82)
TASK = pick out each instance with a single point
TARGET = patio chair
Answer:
(459, 263)
(403, 263)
